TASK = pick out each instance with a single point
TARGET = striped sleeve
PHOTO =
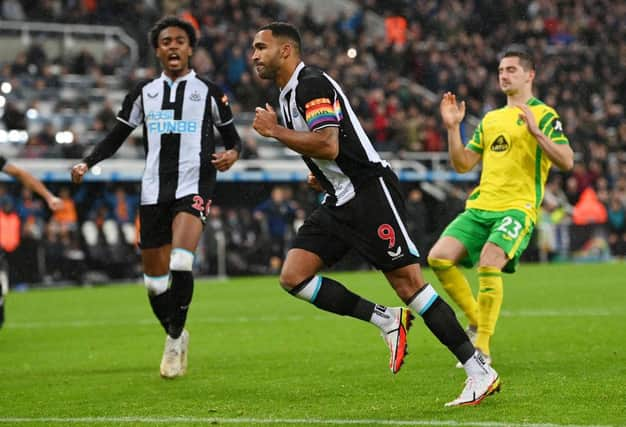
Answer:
(131, 112)
(551, 126)
(319, 102)
(476, 144)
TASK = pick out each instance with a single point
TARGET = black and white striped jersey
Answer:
(178, 118)
(312, 100)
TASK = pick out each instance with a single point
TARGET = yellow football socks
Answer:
(457, 286)
(490, 295)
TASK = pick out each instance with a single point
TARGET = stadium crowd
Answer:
(580, 51)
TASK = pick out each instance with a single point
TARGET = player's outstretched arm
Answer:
(452, 114)
(34, 184)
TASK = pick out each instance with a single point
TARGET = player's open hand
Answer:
(265, 120)
(312, 181)
(54, 203)
(527, 116)
(225, 159)
(452, 112)
(78, 171)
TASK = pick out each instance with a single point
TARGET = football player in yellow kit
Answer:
(517, 144)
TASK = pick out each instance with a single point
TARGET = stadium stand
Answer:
(60, 90)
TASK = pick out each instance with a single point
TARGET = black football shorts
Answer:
(155, 229)
(372, 223)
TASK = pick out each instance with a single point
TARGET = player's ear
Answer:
(286, 50)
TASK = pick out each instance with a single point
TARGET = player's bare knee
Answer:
(287, 280)
(181, 260)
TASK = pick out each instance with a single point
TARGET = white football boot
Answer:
(477, 387)
(171, 361)
(184, 349)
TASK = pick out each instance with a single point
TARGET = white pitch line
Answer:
(290, 318)
(281, 421)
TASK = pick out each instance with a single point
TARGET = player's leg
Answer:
(510, 235)
(156, 276)
(422, 298)
(299, 276)
(443, 258)
(461, 242)
(319, 242)
(155, 242)
(490, 294)
(186, 233)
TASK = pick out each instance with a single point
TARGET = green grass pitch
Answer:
(90, 356)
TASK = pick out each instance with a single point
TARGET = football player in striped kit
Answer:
(363, 209)
(177, 111)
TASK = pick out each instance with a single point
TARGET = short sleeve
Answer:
(318, 101)
(551, 126)
(476, 144)
(3, 162)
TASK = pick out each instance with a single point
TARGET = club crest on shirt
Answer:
(195, 96)
(500, 145)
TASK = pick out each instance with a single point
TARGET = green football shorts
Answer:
(511, 230)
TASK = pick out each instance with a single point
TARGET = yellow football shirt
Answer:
(514, 168)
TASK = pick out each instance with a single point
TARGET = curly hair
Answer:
(172, 21)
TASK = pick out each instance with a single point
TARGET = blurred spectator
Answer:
(12, 10)
(617, 226)
(589, 210)
(13, 117)
(277, 214)
(554, 221)
(64, 219)
(10, 227)
(417, 221)
(105, 118)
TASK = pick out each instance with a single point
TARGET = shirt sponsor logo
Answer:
(162, 121)
(500, 145)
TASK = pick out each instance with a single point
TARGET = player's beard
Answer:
(269, 70)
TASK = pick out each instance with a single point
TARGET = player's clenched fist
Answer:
(78, 171)
(265, 120)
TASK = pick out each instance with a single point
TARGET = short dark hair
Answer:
(172, 21)
(285, 29)
(525, 58)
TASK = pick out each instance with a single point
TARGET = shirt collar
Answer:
(171, 82)
(292, 80)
